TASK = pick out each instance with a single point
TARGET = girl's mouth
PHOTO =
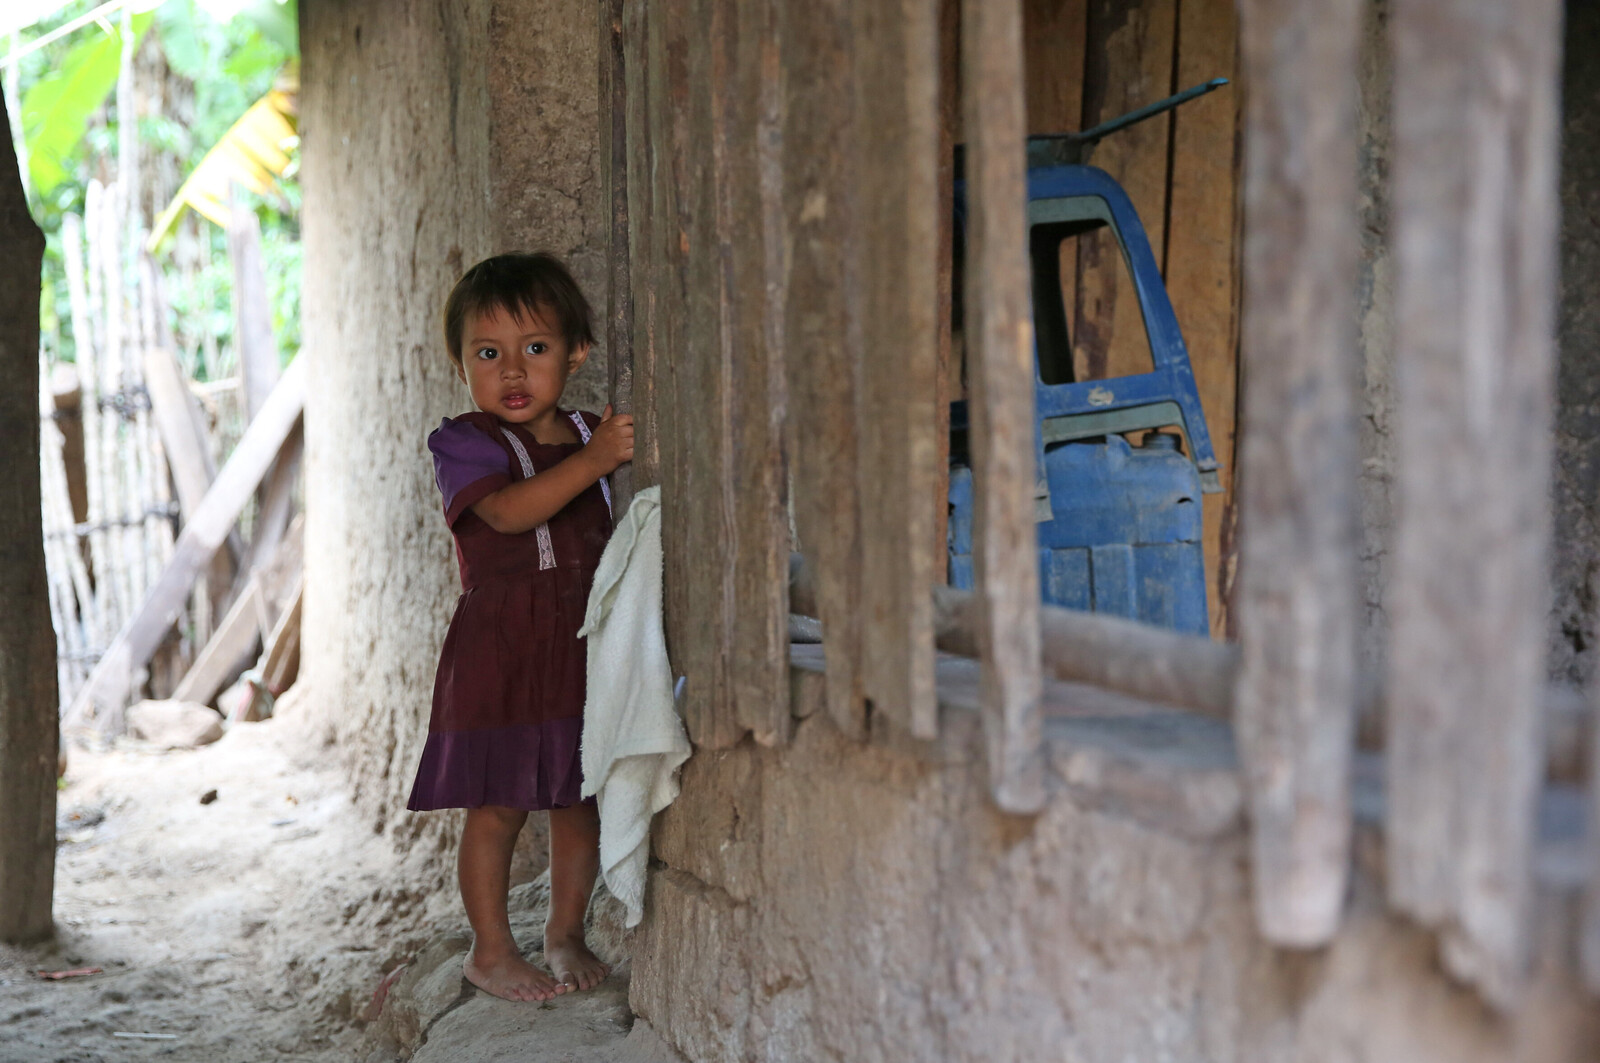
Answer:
(515, 401)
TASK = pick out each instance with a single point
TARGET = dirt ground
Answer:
(252, 926)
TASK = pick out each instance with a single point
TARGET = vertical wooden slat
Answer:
(666, 67)
(613, 123)
(1202, 252)
(1475, 203)
(750, 216)
(1297, 603)
(1127, 64)
(822, 326)
(643, 247)
(999, 331)
(949, 380)
(699, 378)
(896, 144)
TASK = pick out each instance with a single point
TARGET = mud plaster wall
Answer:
(844, 902)
(434, 135)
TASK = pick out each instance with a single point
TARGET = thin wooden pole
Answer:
(1000, 338)
(1297, 600)
(1475, 225)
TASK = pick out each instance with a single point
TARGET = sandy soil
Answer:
(254, 926)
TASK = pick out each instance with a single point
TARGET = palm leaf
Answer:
(56, 110)
(253, 154)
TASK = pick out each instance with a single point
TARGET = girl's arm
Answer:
(528, 503)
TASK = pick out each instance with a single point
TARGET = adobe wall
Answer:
(432, 136)
(849, 902)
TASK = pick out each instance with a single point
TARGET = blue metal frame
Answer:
(1172, 378)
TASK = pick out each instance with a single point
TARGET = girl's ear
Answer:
(461, 371)
(577, 357)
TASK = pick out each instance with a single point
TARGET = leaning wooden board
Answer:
(110, 684)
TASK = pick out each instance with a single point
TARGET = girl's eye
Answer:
(487, 353)
(536, 348)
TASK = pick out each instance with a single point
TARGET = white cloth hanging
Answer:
(633, 739)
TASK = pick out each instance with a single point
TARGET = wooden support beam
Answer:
(899, 462)
(28, 706)
(823, 329)
(1475, 223)
(614, 194)
(643, 248)
(181, 426)
(999, 334)
(111, 683)
(1297, 598)
(748, 149)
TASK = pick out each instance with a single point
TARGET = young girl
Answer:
(525, 495)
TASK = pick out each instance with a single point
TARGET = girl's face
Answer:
(515, 366)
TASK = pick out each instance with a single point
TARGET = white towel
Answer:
(633, 740)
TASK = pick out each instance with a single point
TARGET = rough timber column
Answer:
(27, 644)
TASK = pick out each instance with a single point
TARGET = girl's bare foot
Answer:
(570, 960)
(508, 976)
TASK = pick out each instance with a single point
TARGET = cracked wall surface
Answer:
(837, 901)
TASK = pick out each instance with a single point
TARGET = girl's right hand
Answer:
(611, 444)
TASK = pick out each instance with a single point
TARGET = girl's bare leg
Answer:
(574, 862)
(495, 964)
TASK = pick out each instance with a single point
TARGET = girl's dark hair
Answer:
(525, 285)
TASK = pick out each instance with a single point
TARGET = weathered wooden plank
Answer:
(1000, 376)
(614, 194)
(702, 391)
(1297, 602)
(280, 653)
(1475, 221)
(228, 651)
(1054, 35)
(823, 329)
(896, 143)
(945, 295)
(643, 249)
(1202, 254)
(181, 426)
(755, 471)
(111, 683)
(252, 311)
(1128, 63)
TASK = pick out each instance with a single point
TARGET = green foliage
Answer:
(56, 109)
(70, 126)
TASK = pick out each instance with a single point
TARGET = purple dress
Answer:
(508, 696)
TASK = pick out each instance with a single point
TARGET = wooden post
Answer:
(999, 332)
(900, 459)
(28, 721)
(1475, 225)
(1297, 601)
(748, 149)
(643, 248)
(614, 185)
(823, 329)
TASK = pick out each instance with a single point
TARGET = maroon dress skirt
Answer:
(508, 697)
